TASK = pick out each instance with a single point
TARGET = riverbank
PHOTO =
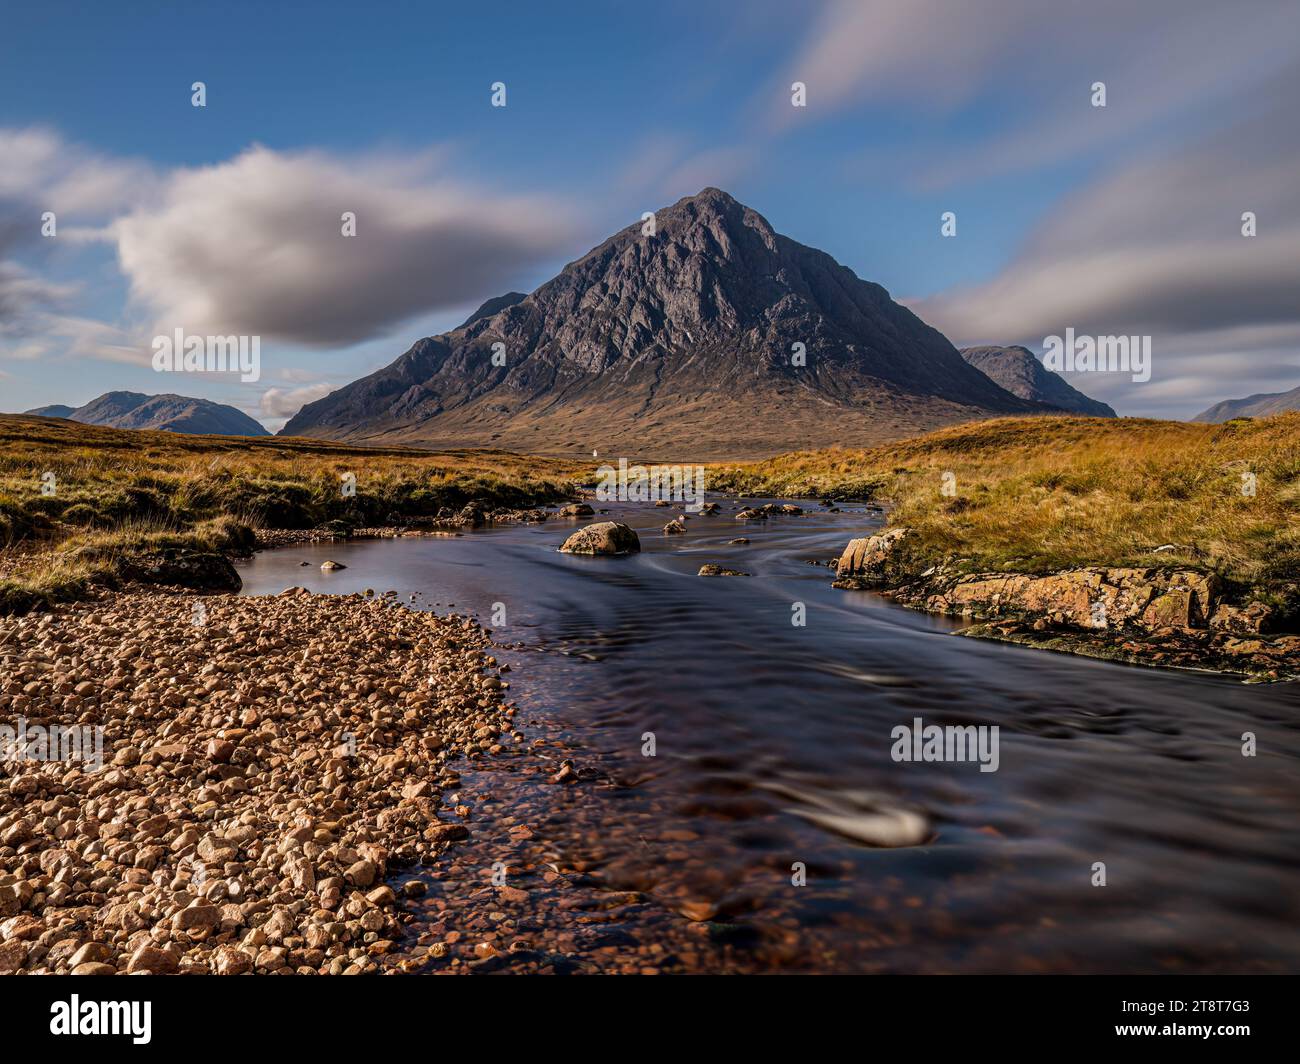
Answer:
(305, 784)
(85, 507)
(1175, 618)
(270, 765)
(1054, 506)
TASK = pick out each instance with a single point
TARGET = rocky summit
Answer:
(712, 337)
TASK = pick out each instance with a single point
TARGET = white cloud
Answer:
(254, 246)
(283, 403)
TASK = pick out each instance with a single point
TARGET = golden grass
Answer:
(1044, 493)
(1032, 494)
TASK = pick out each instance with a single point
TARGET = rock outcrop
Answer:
(865, 562)
(1157, 616)
(178, 567)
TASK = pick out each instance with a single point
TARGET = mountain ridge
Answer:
(1263, 404)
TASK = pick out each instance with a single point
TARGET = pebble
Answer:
(256, 787)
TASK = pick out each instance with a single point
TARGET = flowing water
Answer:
(773, 808)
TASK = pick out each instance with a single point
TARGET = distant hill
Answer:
(166, 413)
(713, 337)
(1019, 372)
(1261, 405)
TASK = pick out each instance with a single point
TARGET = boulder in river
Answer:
(718, 570)
(865, 560)
(604, 537)
(331, 566)
(675, 527)
(576, 509)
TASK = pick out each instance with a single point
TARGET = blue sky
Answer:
(1068, 214)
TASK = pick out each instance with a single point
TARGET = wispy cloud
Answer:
(42, 170)
(1162, 61)
(1157, 249)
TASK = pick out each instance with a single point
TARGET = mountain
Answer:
(1019, 372)
(57, 410)
(168, 413)
(494, 306)
(676, 344)
(1252, 406)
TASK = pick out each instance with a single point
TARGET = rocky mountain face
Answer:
(1252, 406)
(493, 306)
(715, 337)
(56, 410)
(1019, 372)
(167, 413)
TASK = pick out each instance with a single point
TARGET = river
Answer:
(772, 786)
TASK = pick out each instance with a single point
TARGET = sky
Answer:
(225, 219)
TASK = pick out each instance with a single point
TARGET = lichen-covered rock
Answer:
(1251, 619)
(604, 537)
(675, 527)
(1082, 598)
(576, 509)
(1166, 617)
(1173, 609)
